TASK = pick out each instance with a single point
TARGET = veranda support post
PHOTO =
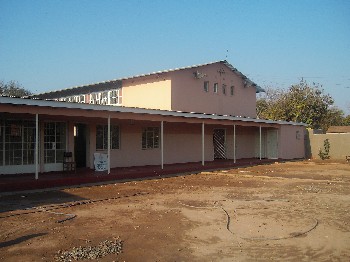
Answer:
(203, 153)
(109, 144)
(36, 156)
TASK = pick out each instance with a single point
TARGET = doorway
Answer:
(272, 144)
(80, 145)
(219, 139)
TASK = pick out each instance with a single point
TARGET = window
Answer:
(115, 97)
(224, 89)
(232, 90)
(150, 137)
(112, 97)
(102, 137)
(54, 142)
(17, 145)
(215, 87)
(206, 86)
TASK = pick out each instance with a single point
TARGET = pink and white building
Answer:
(194, 114)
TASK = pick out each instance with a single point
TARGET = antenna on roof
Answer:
(226, 54)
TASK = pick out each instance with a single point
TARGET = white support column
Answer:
(234, 144)
(36, 157)
(109, 144)
(260, 142)
(162, 143)
(203, 151)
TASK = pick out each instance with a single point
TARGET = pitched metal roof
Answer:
(117, 83)
(121, 109)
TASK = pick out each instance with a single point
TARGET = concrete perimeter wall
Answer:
(339, 145)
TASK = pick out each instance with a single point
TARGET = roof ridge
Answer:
(225, 62)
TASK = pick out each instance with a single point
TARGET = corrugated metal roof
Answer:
(109, 84)
(121, 109)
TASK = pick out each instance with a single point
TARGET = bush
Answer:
(324, 154)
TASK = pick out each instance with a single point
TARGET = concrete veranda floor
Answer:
(20, 182)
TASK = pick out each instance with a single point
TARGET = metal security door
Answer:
(219, 138)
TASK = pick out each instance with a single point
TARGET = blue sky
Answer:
(54, 44)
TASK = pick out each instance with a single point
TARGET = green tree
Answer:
(334, 117)
(346, 121)
(300, 103)
(13, 88)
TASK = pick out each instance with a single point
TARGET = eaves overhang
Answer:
(121, 109)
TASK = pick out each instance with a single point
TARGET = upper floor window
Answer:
(215, 87)
(224, 89)
(112, 97)
(206, 86)
(232, 90)
(102, 137)
(150, 137)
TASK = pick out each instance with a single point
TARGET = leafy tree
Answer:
(300, 103)
(346, 121)
(13, 88)
(334, 117)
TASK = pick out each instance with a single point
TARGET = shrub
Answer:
(324, 154)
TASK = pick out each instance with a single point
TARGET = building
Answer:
(194, 114)
(338, 130)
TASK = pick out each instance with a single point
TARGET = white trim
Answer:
(234, 144)
(203, 149)
(36, 157)
(162, 143)
(260, 142)
(109, 144)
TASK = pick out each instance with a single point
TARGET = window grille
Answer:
(150, 138)
(102, 137)
(54, 142)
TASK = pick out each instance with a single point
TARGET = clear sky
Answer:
(54, 44)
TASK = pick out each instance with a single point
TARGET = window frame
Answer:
(150, 138)
(232, 90)
(206, 86)
(224, 86)
(17, 145)
(55, 139)
(115, 137)
(216, 88)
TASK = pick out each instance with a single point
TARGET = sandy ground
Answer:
(293, 211)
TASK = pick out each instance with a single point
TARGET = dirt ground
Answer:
(292, 211)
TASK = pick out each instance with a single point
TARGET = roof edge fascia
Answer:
(121, 109)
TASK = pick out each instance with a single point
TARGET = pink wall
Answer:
(182, 143)
(291, 142)
(181, 91)
(188, 92)
(245, 142)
